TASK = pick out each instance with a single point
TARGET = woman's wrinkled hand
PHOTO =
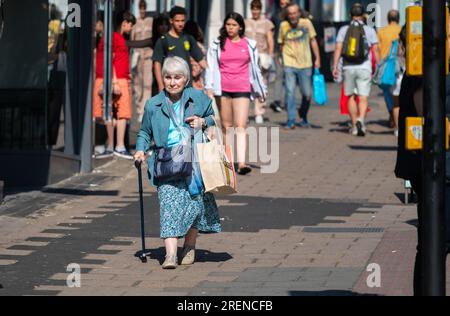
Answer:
(139, 156)
(196, 122)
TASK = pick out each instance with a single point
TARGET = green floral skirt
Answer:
(180, 212)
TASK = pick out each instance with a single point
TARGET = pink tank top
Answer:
(235, 66)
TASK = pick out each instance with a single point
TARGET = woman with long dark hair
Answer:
(233, 77)
(161, 25)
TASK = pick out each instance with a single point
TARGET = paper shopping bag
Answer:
(217, 167)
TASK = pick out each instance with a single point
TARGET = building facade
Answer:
(45, 80)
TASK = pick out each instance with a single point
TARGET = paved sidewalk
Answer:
(312, 228)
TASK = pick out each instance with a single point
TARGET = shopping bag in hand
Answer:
(320, 88)
(216, 165)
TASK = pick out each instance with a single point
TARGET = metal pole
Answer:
(107, 62)
(88, 8)
(433, 221)
(141, 204)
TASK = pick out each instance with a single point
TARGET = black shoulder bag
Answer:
(174, 163)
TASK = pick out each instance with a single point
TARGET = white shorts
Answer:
(357, 82)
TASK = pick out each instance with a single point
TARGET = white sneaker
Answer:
(353, 131)
(123, 153)
(361, 128)
(98, 150)
(259, 119)
(106, 154)
(396, 133)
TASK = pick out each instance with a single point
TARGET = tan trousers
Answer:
(142, 82)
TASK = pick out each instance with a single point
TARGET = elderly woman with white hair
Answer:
(173, 120)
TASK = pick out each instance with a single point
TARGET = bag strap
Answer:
(393, 50)
(348, 34)
(218, 131)
(173, 116)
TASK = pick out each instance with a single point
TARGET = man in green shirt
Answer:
(176, 43)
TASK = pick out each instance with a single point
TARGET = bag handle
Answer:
(218, 131)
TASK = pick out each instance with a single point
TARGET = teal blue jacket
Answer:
(155, 123)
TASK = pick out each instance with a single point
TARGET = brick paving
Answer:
(312, 228)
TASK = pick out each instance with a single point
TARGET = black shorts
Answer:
(235, 95)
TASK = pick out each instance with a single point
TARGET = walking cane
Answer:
(143, 254)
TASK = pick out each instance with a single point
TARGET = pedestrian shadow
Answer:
(297, 125)
(279, 123)
(253, 166)
(116, 227)
(209, 256)
(201, 255)
(401, 197)
(339, 130)
(390, 132)
(382, 123)
(372, 148)
(81, 192)
(342, 127)
(311, 126)
(413, 222)
(341, 123)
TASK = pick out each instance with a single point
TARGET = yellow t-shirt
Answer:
(296, 43)
(386, 36)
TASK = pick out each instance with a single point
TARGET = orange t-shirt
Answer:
(386, 36)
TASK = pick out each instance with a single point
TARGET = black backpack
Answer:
(355, 49)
